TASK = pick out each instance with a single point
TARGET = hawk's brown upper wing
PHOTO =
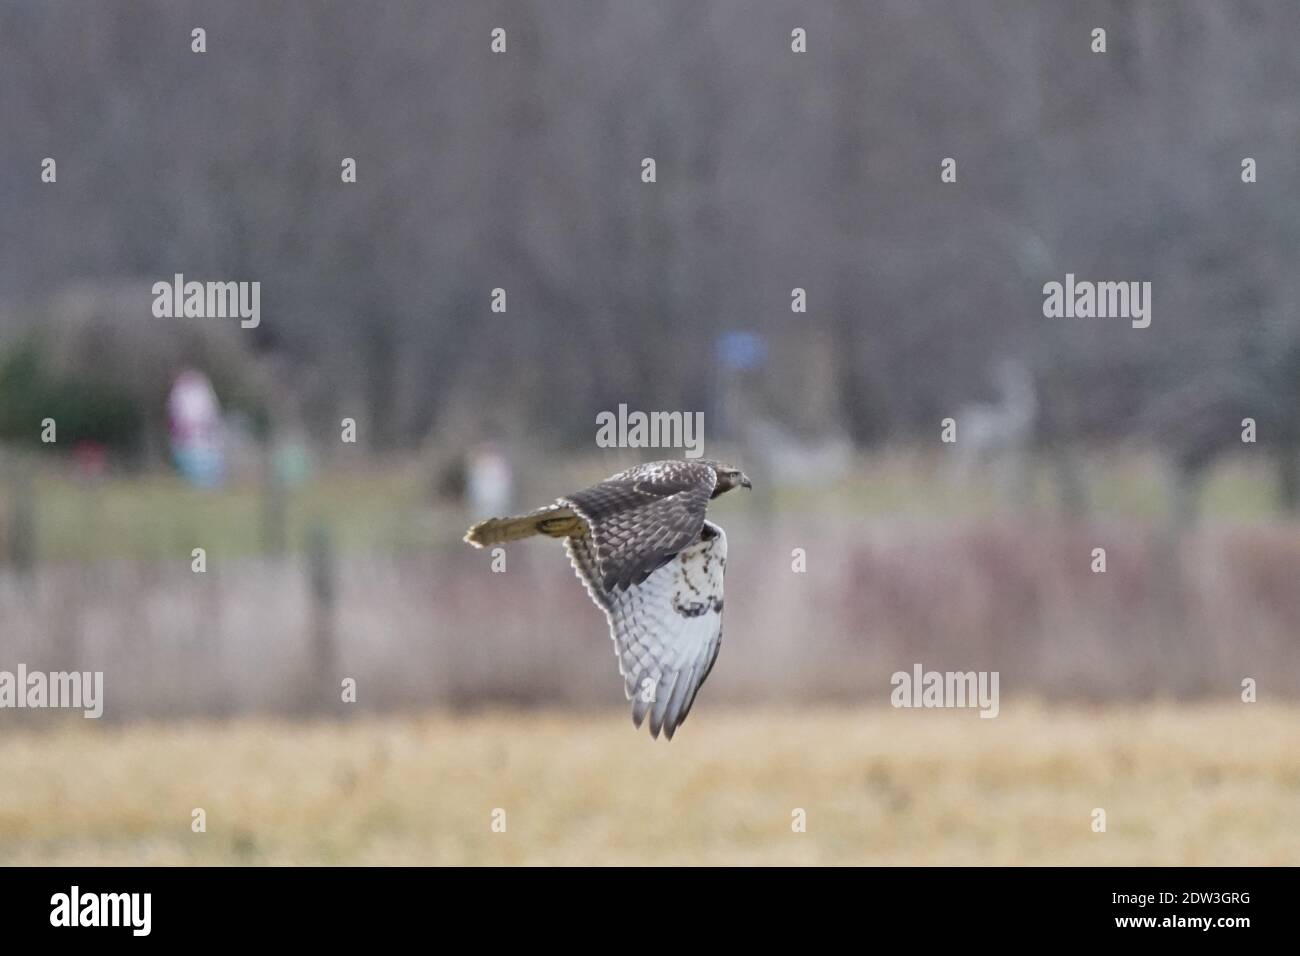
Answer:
(641, 517)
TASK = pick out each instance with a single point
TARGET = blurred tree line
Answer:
(775, 170)
(83, 409)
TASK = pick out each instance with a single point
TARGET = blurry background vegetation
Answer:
(775, 171)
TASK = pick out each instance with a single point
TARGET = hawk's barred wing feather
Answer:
(666, 629)
(641, 518)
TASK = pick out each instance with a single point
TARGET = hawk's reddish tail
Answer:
(553, 520)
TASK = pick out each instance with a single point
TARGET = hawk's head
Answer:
(728, 478)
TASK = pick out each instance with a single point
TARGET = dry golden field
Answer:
(1215, 784)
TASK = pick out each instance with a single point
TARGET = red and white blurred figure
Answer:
(91, 458)
(489, 480)
(194, 418)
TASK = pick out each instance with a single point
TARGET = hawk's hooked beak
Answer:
(745, 482)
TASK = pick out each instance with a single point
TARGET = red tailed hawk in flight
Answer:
(640, 543)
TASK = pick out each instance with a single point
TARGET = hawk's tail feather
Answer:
(556, 521)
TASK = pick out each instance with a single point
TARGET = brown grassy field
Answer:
(1214, 784)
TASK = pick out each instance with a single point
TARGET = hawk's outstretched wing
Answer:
(667, 628)
(640, 518)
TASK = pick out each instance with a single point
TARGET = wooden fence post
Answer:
(22, 524)
(322, 573)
